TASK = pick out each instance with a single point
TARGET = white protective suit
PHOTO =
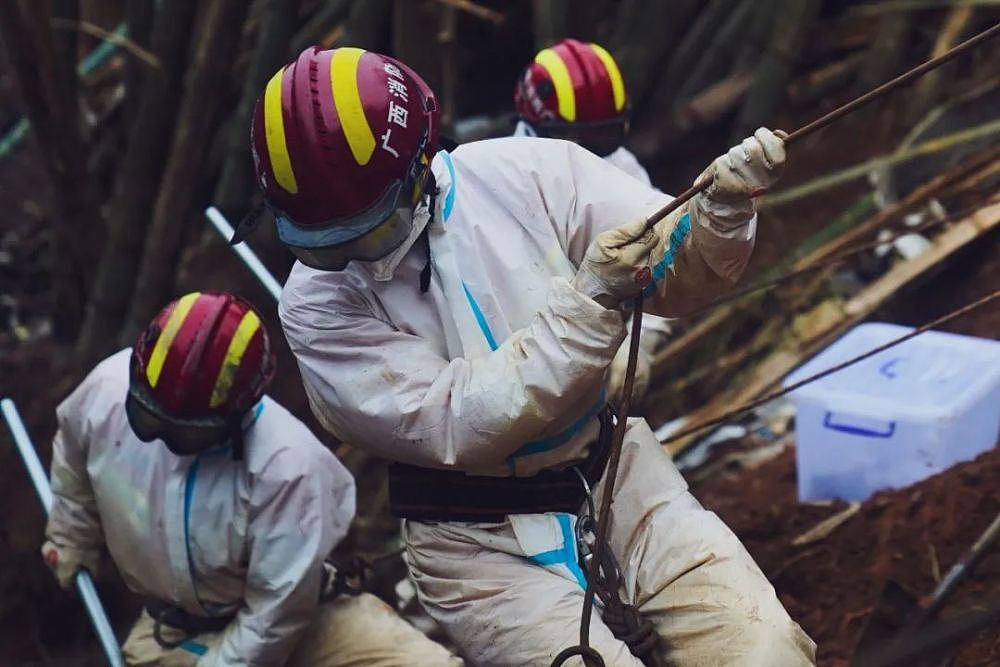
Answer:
(622, 157)
(212, 535)
(498, 369)
(655, 330)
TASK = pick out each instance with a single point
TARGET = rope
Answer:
(750, 405)
(703, 183)
(836, 259)
(592, 658)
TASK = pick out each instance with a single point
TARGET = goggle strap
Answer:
(248, 224)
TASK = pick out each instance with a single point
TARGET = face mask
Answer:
(383, 269)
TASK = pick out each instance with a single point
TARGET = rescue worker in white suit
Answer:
(456, 312)
(575, 91)
(215, 503)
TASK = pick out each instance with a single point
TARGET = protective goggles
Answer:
(181, 436)
(379, 241)
(602, 138)
(369, 236)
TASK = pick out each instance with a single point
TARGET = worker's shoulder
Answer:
(626, 160)
(107, 381)
(279, 445)
(314, 298)
(497, 153)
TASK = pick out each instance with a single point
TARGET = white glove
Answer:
(649, 342)
(744, 172)
(65, 562)
(617, 264)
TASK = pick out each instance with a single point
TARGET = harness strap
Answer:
(423, 494)
(175, 617)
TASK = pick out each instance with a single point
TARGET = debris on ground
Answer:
(912, 535)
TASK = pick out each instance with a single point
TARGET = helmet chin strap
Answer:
(425, 273)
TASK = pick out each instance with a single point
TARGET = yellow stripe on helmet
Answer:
(617, 83)
(166, 339)
(559, 74)
(274, 134)
(347, 100)
(247, 327)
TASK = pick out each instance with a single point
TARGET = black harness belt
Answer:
(175, 617)
(425, 494)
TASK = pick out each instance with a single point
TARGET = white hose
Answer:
(257, 267)
(84, 584)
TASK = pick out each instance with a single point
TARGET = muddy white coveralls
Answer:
(218, 537)
(498, 370)
(655, 330)
(622, 157)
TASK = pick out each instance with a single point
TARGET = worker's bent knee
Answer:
(362, 629)
(768, 636)
(748, 627)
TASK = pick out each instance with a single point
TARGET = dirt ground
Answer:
(912, 535)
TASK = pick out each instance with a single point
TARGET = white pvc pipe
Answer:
(257, 267)
(84, 584)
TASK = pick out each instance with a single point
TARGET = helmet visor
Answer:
(374, 245)
(183, 437)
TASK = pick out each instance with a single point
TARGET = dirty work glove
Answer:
(65, 562)
(617, 264)
(649, 342)
(744, 172)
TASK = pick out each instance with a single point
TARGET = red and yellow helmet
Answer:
(342, 140)
(198, 368)
(574, 91)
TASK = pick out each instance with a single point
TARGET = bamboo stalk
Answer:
(932, 88)
(929, 147)
(791, 27)
(912, 201)
(136, 184)
(717, 56)
(196, 120)
(115, 38)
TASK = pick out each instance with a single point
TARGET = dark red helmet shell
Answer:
(571, 82)
(206, 354)
(335, 129)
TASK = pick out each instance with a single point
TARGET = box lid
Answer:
(933, 373)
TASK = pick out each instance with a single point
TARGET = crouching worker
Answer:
(215, 503)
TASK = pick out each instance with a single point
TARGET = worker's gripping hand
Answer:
(65, 562)
(744, 172)
(617, 264)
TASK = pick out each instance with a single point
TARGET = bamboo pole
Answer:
(136, 184)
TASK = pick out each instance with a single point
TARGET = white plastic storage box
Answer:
(895, 418)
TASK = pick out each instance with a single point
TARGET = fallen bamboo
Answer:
(931, 146)
(838, 113)
(824, 528)
(787, 357)
(931, 88)
(485, 13)
(912, 201)
(960, 571)
(115, 37)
